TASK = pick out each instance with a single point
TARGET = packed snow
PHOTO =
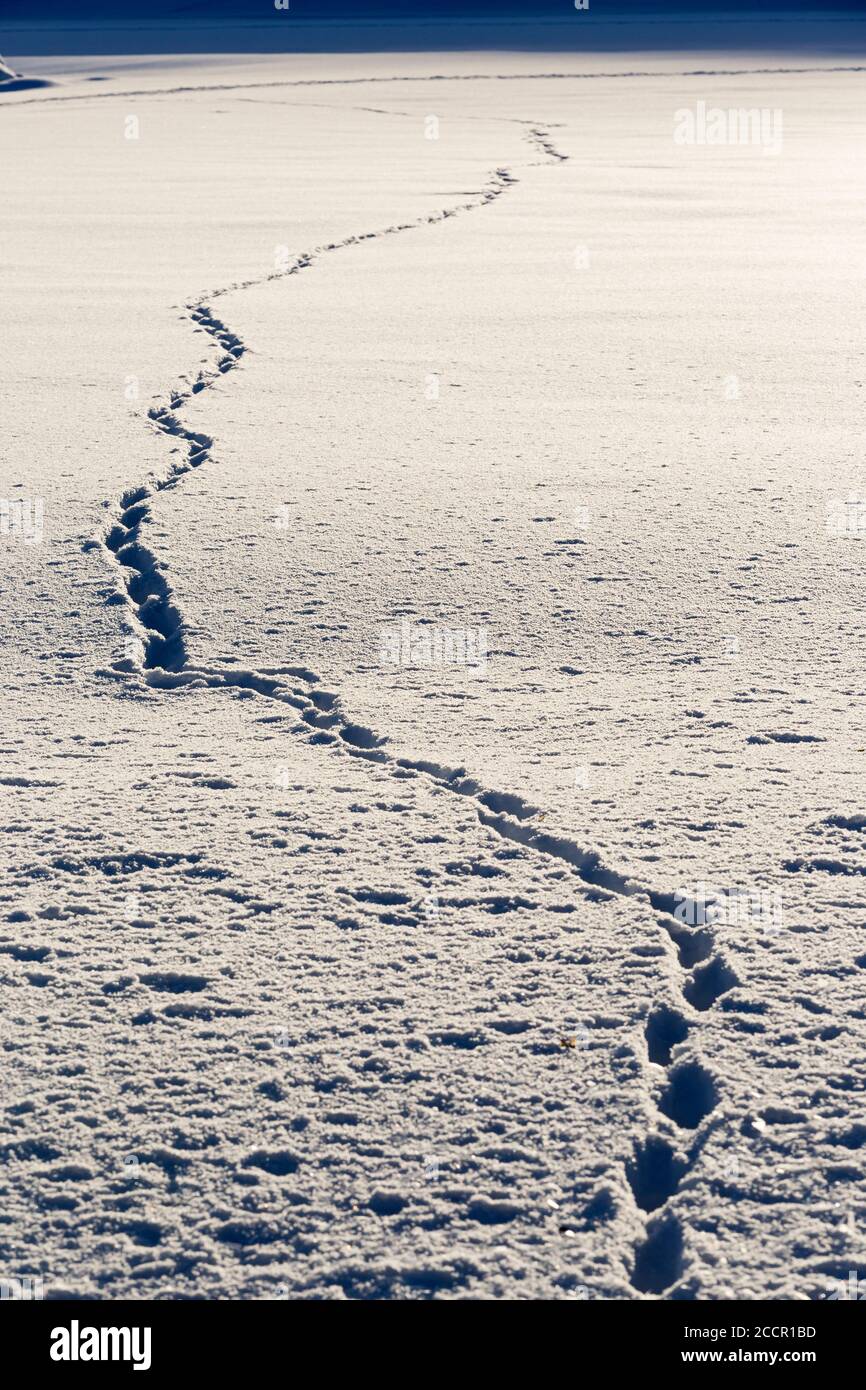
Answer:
(433, 747)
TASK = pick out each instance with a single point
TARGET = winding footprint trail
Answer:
(690, 1094)
(443, 77)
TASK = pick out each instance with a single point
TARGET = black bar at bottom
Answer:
(167, 1339)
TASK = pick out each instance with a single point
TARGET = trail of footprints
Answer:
(656, 1167)
(159, 625)
(157, 621)
(440, 77)
(688, 1096)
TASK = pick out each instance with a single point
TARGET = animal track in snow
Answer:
(433, 77)
(156, 619)
(708, 983)
(656, 1168)
(659, 1261)
(689, 1096)
(654, 1172)
(664, 1029)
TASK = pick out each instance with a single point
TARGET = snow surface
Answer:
(329, 977)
